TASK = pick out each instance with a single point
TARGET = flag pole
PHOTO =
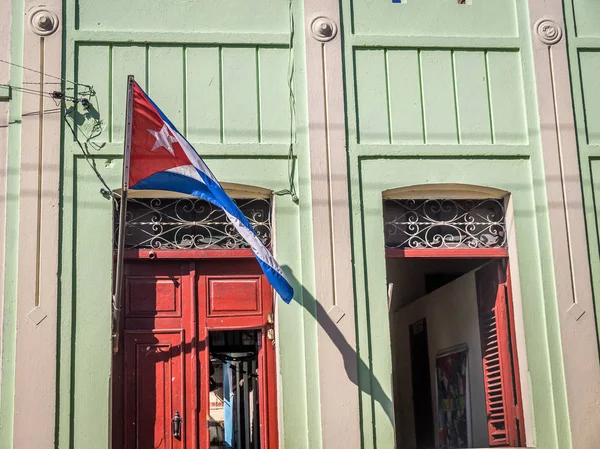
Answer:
(122, 218)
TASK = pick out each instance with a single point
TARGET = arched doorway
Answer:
(195, 366)
(455, 361)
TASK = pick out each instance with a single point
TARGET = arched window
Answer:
(163, 220)
(444, 223)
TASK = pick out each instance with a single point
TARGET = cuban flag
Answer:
(160, 158)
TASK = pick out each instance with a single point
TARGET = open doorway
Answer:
(195, 364)
(234, 418)
(455, 368)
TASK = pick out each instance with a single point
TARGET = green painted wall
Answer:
(222, 78)
(436, 92)
(583, 44)
(12, 233)
(439, 92)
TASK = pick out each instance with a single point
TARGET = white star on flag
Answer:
(164, 139)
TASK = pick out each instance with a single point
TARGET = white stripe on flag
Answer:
(255, 243)
(186, 170)
(194, 158)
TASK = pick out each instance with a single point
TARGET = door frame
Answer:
(514, 304)
(266, 357)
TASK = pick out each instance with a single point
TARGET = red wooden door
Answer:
(500, 363)
(235, 294)
(162, 366)
(158, 362)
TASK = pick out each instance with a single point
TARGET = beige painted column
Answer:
(569, 244)
(338, 379)
(35, 365)
(5, 27)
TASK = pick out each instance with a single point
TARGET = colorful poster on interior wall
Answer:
(452, 377)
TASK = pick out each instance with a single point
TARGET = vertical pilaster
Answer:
(5, 11)
(35, 365)
(569, 245)
(331, 227)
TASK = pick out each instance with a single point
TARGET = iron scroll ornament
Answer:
(444, 223)
(191, 223)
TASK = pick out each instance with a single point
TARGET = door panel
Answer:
(157, 357)
(154, 388)
(500, 362)
(162, 366)
(235, 289)
(155, 296)
(234, 294)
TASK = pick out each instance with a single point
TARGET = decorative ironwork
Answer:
(190, 223)
(444, 223)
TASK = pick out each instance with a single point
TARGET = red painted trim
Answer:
(445, 253)
(269, 416)
(193, 379)
(234, 323)
(190, 254)
(516, 373)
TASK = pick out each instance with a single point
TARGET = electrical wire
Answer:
(292, 103)
(108, 190)
(56, 95)
(27, 90)
(46, 74)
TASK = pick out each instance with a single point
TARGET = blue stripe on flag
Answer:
(176, 182)
(279, 283)
(214, 193)
(224, 201)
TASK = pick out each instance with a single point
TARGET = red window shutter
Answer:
(500, 367)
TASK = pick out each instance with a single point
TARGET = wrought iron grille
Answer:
(190, 223)
(444, 223)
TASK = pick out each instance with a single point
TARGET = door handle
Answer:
(176, 425)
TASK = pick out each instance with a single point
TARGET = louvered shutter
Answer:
(500, 367)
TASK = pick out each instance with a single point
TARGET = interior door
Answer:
(421, 385)
(157, 358)
(500, 360)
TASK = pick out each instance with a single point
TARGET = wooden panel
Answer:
(587, 17)
(589, 61)
(438, 97)
(94, 69)
(154, 296)
(203, 99)
(232, 16)
(406, 114)
(478, 18)
(437, 253)
(464, 97)
(499, 360)
(371, 94)
(126, 60)
(507, 97)
(214, 94)
(472, 97)
(243, 254)
(227, 296)
(166, 63)
(154, 379)
(240, 95)
(274, 95)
